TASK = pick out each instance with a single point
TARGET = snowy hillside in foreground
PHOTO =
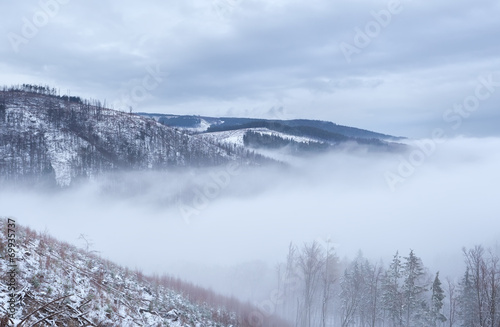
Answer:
(85, 290)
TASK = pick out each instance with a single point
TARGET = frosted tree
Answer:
(478, 270)
(480, 289)
(290, 283)
(371, 306)
(493, 289)
(437, 302)
(392, 295)
(352, 287)
(329, 277)
(468, 311)
(413, 289)
(452, 303)
(310, 264)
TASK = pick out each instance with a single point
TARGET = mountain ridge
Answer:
(297, 137)
(58, 140)
(190, 121)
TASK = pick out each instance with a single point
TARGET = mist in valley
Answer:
(228, 227)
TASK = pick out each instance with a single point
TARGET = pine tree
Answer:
(468, 312)
(392, 296)
(413, 288)
(437, 302)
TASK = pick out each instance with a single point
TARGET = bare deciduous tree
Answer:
(329, 277)
(452, 301)
(310, 262)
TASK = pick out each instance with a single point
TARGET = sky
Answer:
(396, 67)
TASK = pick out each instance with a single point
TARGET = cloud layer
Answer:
(411, 62)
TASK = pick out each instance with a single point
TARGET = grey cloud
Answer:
(256, 55)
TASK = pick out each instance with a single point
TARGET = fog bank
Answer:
(239, 223)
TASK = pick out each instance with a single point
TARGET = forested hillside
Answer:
(55, 140)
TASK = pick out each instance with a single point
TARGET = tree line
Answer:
(315, 288)
(42, 90)
(258, 140)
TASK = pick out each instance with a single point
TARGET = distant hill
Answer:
(297, 137)
(213, 124)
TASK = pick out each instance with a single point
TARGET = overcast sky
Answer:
(393, 67)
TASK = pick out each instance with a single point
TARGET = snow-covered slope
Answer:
(48, 138)
(59, 284)
(274, 138)
(224, 123)
(236, 136)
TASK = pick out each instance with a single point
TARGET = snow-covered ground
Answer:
(236, 136)
(86, 290)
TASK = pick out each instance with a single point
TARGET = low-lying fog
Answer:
(231, 235)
